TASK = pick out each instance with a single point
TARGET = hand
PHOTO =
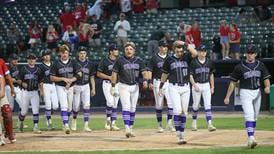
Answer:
(212, 90)
(196, 87)
(150, 86)
(24, 85)
(267, 90)
(226, 100)
(190, 46)
(161, 92)
(92, 92)
(66, 80)
(145, 85)
(120, 27)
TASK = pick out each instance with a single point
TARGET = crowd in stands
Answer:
(80, 25)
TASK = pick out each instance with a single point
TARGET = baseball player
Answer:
(48, 90)
(82, 91)
(30, 76)
(250, 72)
(104, 72)
(154, 67)
(14, 72)
(128, 67)
(2, 94)
(202, 81)
(4, 104)
(64, 74)
(176, 69)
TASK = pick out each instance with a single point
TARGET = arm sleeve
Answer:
(117, 66)
(212, 68)
(166, 66)
(53, 69)
(265, 73)
(116, 26)
(142, 65)
(100, 67)
(236, 74)
(92, 69)
(191, 67)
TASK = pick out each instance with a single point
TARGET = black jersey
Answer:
(201, 72)
(250, 75)
(105, 66)
(60, 69)
(177, 68)
(87, 69)
(14, 72)
(31, 76)
(129, 70)
(155, 66)
(46, 72)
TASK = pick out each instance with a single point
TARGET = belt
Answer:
(180, 84)
(107, 81)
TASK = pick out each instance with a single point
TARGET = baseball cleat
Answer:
(87, 129)
(2, 142)
(170, 128)
(20, 127)
(50, 127)
(73, 125)
(128, 133)
(66, 129)
(160, 130)
(36, 130)
(181, 141)
(211, 128)
(107, 125)
(114, 127)
(252, 143)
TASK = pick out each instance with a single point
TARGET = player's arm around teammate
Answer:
(176, 69)
(104, 72)
(250, 72)
(202, 81)
(31, 77)
(128, 67)
(64, 74)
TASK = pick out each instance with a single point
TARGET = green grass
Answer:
(263, 123)
(237, 150)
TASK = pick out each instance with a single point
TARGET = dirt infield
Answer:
(145, 139)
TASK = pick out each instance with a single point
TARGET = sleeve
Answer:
(92, 69)
(127, 26)
(150, 64)
(265, 73)
(4, 67)
(236, 74)
(116, 26)
(192, 67)
(53, 69)
(1, 73)
(212, 68)
(21, 74)
(117, 66)
(142, 65)
(40, 75)
(166, 66)
(100, 67)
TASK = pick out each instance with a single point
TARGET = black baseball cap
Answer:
(82, 48)
(46, 52)
(31, 56)
(113, 47)
(251, 48)
(163, 43)
(201, 48)
(13, 56)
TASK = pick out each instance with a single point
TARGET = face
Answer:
(14, 62)
(64, 55)
(202, 54)
(129, 51)
(46, 58)
(82, 55)
(163, 49)
(114, 53)
(31, 61)
(179, 51)
(250, 56)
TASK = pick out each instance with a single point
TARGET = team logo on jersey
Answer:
(131, 66)
(178, 64)
(160, 64)
(30, 76)
(202, 70)
(47, 72)
(14, 74)
(251, 74)
(85, 70)
(110, 67)
(65, 70)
